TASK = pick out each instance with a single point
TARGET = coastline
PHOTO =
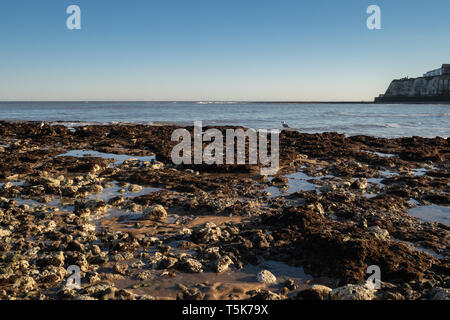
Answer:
(145, 229)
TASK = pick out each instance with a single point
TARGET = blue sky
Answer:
(216, 49)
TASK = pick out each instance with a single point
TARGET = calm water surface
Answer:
(384, 120)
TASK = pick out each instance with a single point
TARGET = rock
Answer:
(7, 186)
(328, 188)
(379, 233)
(438, 293)
(75, 246)
(266, 277)
(156, 212)
(222, 264)
(212, 253)
(121, 269)
(316, 292)
(96, 206)
(116, 201)
(24, 284)
(103, 291)
(156, 165)
(93, 277)
(167, 262)
(290, 285)
(56, 260)
(4, 233)
(134, 188)
(88, 227)
(317, 207)
(360, 184)
(184, 233)
(353, 292)
(261, 295)
(99, 259)
(192, 266)
(345, 184)
(53, 183)
(280, 180)
(154, 260)
(260, 177)
(96, 188)
(392, 296)
(52, 276)
(209, 233)
(190, 294)
(144, 275)
(96, 249)
(20, 265)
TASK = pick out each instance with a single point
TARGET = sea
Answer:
(380, 120)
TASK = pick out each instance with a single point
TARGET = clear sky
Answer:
(216, 49)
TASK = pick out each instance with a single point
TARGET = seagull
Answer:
(42, 125)
(285, 125)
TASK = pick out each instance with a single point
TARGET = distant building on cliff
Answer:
(433, 86)
(444, 70)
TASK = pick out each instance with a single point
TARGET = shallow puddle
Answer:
(420, 172)
(419, 248)
(67, 204)
(377, 181)
(114, 191)
(385, 175)
(297, 182)
(413, 202)
(119, 158)
(383, 155)
(432, 213)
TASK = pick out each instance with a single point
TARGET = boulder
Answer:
(156, 212)
(316, 292)
(192, 266)
(267, 277)
(134, 188)
(360, 184)
(438, 293)
(222, 264)
(379, 233)
(4, 233)
(354, 292)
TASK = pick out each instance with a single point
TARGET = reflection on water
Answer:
(115, 190)
(297, 183)
(383, 155)
(432, 213)
(419, 248)
(119, 158)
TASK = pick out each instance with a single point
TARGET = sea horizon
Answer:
(355, 118)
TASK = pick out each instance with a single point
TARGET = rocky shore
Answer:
(109, 200)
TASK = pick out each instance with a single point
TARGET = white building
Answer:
(433, 73)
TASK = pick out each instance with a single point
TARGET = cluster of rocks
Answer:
(55, 213)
